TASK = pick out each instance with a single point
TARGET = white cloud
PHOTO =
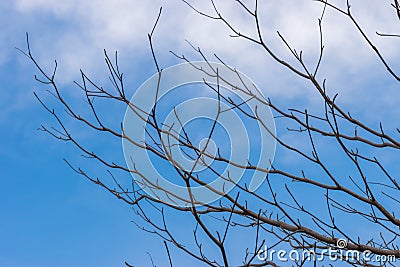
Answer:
(75, 32)
(123, 24)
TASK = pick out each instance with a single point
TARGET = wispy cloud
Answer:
(75, 33)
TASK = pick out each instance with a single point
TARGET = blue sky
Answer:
(51, 216)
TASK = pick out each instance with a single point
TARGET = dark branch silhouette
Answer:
(276, 215)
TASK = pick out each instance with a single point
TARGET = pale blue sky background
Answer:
(52, 217)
